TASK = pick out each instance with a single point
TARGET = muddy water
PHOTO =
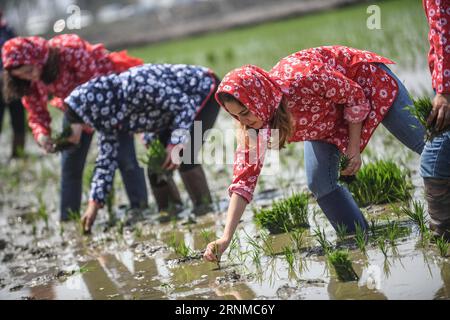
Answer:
(137, 262)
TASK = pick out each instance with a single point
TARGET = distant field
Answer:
(403, 38)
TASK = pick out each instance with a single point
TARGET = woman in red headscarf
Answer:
(333, 98)
(36, 69)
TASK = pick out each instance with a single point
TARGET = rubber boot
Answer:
(166, 196)
(437, 194)
(341, 209)
(197, 187)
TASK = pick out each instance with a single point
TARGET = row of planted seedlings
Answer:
(379, 183)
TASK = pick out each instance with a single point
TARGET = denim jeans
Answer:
(72, 165)
(435, 159)
(322, 158)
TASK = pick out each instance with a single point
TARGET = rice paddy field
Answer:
(284, 247)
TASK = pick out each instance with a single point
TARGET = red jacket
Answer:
(438, 16)
(79, 61)
(324, 88)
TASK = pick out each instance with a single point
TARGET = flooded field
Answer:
(43, 259)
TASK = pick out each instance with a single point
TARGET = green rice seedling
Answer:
(341, 232)
(392, 232)
(442, 245)
(83, 269)
(421, 109)
(287, 214)
(267, 241)
(154, 158)
(234, 246)
(42, 212)
(417, 215)
(61, 229)
(381, 182)
(60, 141)
(88, 175)
(179, 247)
(342, 265)
(207, 235)
(138, 232)
(382, 245)
(297, 237)
(344, 161)
(360, 238)
(76, 218)
(289, 257)
(256, 258)
(320, 236)
(266, 246)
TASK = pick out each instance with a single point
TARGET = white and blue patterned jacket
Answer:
(148, 98)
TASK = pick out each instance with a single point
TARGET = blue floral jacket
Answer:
(147, 98)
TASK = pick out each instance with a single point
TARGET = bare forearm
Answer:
(235, 210)
(354, 133)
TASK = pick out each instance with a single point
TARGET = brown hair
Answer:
(15, 88)
(282, 119)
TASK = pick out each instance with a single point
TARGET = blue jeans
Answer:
(72, 165)
(435, 159)
(322, 158)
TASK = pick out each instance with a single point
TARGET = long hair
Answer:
(15, 88)
(281, 121)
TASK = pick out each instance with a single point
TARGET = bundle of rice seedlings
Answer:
(421, 109)
(284, 215)
(342, 265)
(154, 158)
(381, 182)
(60, 141)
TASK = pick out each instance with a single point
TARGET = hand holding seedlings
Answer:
(157, 156)
(61, 141)
(88, 218)
(433, 115)
(440, 114)
(215, 249)
(343, 164)
(46, 143)
(353, 163)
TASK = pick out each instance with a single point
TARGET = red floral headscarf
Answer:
(25, 51)
(255, 89)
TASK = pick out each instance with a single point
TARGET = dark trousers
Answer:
(72, 165)
(17, 115)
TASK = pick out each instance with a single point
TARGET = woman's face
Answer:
(27, 72)
(244, 115)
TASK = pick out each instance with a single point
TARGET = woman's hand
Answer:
(441, 112)
(169, 163)
(215, 249)
(355, 162)
(88, 218)
(46, 143)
